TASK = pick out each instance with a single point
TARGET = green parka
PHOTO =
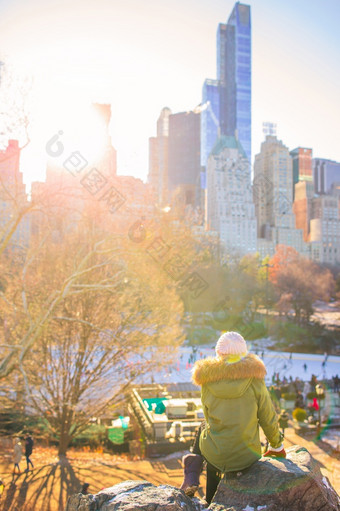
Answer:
(235, 402)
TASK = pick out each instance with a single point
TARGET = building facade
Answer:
(13, 197)
(159, 157)
(229, 205)
(302, 165)
(210, 118)
(273, 198)
(325, 229)
(184, 161)
(302, 207)
(325, 172)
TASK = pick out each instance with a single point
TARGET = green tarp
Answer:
(116, 433)
(156, 404)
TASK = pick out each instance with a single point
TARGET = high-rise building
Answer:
(325, 172)
(229, 204)
(184, 171)
(230, 95)
(325, 229)
(107, 160)
(210, 118)
(302, 165)
(234, 75)
(158, 158)
(302, 206)
(13, 197)
(153, 176)
(273, 198)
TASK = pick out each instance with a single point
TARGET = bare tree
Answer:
(300, 281)
(95, 313)
(115, 324)
(15, 98)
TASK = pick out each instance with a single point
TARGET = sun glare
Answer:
(71, 116)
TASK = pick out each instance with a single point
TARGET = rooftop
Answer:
(228, 142)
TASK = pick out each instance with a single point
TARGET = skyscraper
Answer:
(302, 165)
(326, 173)
(233, 84)
(158, 158)
(210, 118)
(13, 197)
(234, 75)
(325, 228)
(229, 203)
(302, 207)
(107, 159)
(273, 196)
(184, 170)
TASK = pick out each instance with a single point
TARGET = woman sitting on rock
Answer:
(235, 403)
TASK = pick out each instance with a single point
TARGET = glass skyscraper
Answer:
(233, 84)
(210, 118)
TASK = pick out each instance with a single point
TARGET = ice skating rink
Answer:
(288, 365)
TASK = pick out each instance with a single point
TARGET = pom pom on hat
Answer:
(231, 343)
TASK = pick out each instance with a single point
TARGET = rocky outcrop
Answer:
(271, 484)
(133, 496)
(276, 484)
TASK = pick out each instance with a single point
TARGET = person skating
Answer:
(235, 402)
(28, 451)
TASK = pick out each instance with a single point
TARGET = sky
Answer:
(143, 55)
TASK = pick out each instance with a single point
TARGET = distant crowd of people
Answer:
(301, 389)
(304, 386)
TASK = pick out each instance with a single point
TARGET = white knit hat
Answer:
(231, 343)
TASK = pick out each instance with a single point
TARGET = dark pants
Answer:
(213, 474)
(28, 461)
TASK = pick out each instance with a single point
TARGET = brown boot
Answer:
(193, 464)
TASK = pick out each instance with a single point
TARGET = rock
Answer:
(277, 484)
(134, 496)
(271, 484)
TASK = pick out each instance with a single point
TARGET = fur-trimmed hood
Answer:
(212, 370)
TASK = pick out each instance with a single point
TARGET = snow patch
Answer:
(325, 482)
(258, 508)
(174, 455)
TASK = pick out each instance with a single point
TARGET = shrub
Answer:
(289, 396)
(94, 436)
(288, 331)
(284, 389)
(312, 395)
(14, 422)
(202, 335)
(252, 331)
(299, 414)
(225, 321)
